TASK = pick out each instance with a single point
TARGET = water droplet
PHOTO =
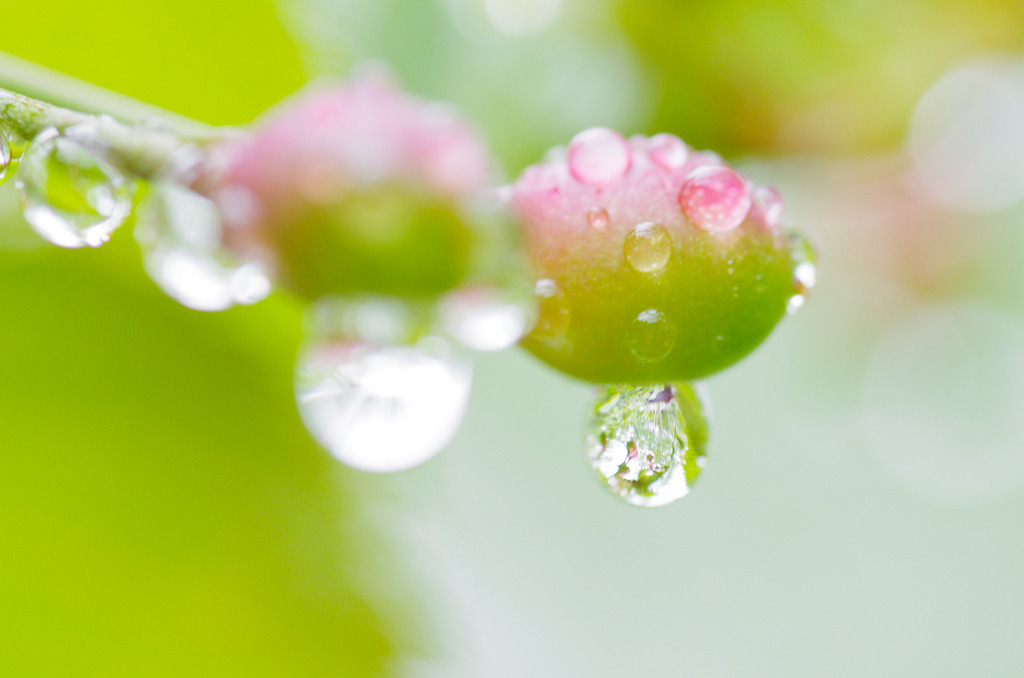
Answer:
(648, 247)
(598, 218)
(598, 155)
(651, 336)
(805, 270)
(179, 232)
(382, 409)
(715, 198)
(668, 150)
(485, 318)
(647, 444)
(5, 156)
(70, 195)
(552, 311)
(766, 207)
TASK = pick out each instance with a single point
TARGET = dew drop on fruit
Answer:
(715, 198)
(598, 218)
(553, 312)
(805, 270)
(648, 247)
(486, 318)
(382, 408)
(179, 232)
(667, 150)
(647, 444)
(766, 207)
(651, 336)
(598, 155)
(69, 193)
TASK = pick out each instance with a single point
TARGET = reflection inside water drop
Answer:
(179, 232)
(647, 444)
(69, 193)
(382, 409)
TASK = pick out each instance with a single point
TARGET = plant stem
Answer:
(142, 151)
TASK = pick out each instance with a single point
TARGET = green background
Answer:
(163, 512)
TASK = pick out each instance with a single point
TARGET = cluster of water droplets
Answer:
(647, 444)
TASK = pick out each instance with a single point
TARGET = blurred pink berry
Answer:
(356, 187)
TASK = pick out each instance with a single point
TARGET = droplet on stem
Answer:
(179, 232)
(647, 444)
(382, 408)
(69, 193)
(5, 156)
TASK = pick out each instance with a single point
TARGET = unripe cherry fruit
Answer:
(357, 188)
(655, 263)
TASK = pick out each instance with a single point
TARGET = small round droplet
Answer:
(652, 336)
(382, 409)
(598, 155)
(598, 218)
(5, 156)
(668, 151)
(805, 270)
(486, 319)
(552, 311)
(69, 193)
(766, 207)
(716, 199)
(648, 247)
(647, 444)
(179, 232)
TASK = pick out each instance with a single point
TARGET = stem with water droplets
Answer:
(141, 151)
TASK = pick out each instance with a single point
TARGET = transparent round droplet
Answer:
(382, 408)
(766, 207)
(552, 311)
(805, 270)
(647, 444)
(715, 198)
(598, 155)
(598, 218)
(69, 193)
(179, 232)
(6, 158)
(486, 318)
(651, 336)
(648, 247)
(668, 151)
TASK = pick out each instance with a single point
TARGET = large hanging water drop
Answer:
(382, 408)
(179, 232)
(647, 443)
(69, 193)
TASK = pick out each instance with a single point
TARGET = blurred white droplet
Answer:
(69, 193)
(382, 409)
(941, 402)
(967, 137)
(179, 232)
(521, 18)
(487, 319)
